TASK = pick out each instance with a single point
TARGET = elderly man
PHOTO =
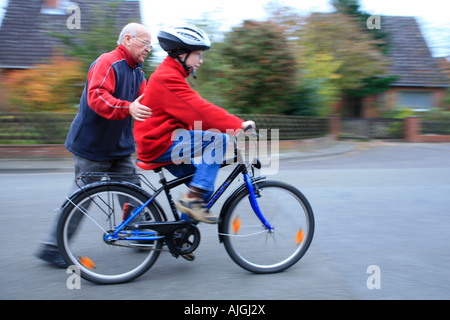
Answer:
(101, 135)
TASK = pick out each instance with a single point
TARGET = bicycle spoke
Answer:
(254, 247)
(91, 217)
(95, 213)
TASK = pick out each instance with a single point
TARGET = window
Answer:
(417, 100)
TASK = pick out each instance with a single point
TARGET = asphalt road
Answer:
(382, 222)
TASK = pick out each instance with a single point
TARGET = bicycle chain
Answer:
(133, 246)
(140, 247)
(172, 248)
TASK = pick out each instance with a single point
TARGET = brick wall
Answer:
(413, 132)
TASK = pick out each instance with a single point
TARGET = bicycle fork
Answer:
(254, 203)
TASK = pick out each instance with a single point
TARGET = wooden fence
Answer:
(371, 128)
(411, 129)
(52, 128)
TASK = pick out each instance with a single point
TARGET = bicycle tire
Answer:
(251, 245)
(81, 234)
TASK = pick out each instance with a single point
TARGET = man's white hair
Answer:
(130, 29)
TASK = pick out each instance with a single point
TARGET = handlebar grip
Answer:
(253, 133)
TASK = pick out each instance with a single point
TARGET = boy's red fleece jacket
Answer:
(175, 106)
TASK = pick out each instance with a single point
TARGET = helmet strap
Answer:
(189, 70)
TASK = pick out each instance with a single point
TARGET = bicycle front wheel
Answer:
(89, 216)
(255, 248)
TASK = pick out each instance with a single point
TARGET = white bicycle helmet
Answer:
(181, 39)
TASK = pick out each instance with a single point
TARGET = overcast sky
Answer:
(433, 15)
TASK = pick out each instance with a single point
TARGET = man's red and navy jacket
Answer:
(102, 129)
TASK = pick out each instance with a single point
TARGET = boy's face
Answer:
(194, 60)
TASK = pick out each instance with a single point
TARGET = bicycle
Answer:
(114, 231)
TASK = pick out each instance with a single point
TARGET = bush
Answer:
(260, 68)
(399, 113)
(54, 87)
(436, 114)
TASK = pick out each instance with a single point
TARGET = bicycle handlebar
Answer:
(250, 131)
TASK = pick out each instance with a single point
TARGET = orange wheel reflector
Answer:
(236, 225)
(299, 236)
(88, 263)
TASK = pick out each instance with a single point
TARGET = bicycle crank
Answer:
(183, 240)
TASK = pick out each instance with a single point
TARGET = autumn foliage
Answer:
(261, 68)
(55, 86)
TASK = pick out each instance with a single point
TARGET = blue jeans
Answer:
(211, 146)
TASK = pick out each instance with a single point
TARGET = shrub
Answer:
(55, 86)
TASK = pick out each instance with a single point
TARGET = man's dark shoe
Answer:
(51, 254)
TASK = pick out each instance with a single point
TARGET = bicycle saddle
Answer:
(156, 166)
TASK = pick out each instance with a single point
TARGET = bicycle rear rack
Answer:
(85, 178)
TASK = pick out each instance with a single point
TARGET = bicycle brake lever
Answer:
(250, 131)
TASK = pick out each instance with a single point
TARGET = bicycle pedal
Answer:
(188, 257)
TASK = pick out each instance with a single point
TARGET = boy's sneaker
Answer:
(189, 256)
(196, 209)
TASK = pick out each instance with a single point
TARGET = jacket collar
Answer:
(127, 56)
(176, 65)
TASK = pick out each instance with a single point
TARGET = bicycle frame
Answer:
(266, 226)
(162, 227)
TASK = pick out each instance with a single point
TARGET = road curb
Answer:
(64, 163)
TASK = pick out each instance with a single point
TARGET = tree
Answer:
(338, 35)
(351, 8)
(260, 68)
(54, 86)
(320, 73)
(98, 37)
(210, 82)
(373, 84)
(335, 55)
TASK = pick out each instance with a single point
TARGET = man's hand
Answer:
(138, 111)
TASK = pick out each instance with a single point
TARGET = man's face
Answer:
(139, 46)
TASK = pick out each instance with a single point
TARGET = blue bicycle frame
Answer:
(121, 234)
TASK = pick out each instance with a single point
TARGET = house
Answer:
(444, 64)
(26, 24)
(421, 82)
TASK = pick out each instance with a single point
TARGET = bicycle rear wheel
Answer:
(94, 212)
(255, 248)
